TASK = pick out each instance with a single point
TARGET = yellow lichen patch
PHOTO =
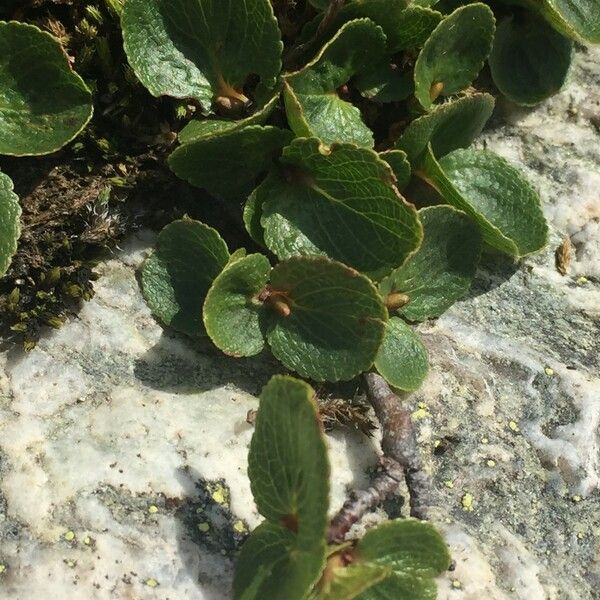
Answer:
(490, 463)
(220, 494)
(87, 540)
(422, 412)
(69, 536)
(467, 502)
(484, 440)
(151, 582)
(576, 498)
(240, 527)
(513, 426)
(449, 483)
(549, 371)
(2, 569)
(456, 584)
(203, 527)
(581, 280)
(152, 509)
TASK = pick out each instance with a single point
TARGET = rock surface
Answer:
(123, 446)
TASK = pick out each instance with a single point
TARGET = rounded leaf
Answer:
(44, 104)
(402, 359)
(228, 165)
(495, 194)
(447, 127)
(201, 49)
(335, 323)
(404, 26)
(288, 465)
(454, 53)
(176, 278)
(409, 546)
(10, 225)
(442, 270)
(271, 566)
(232, 311)
(347, 583)
(339, 202)
(401, 587)
(312, 103)
(529, 60)
(576, 19)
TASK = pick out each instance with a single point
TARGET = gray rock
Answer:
(123, 446)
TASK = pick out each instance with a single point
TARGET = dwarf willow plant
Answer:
(317, 117)
(287, 556)
(44, 105)
(375, 95)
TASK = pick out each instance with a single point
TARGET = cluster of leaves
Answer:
(287, 555)
(323, 190)
(44, 105)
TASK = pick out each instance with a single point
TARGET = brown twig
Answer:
(399, 440)
(401, 459)
(362, 501)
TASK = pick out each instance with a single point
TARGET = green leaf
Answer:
(288, 464)
(232, 312)
(447, 127)
(271, 566)
(454, 53)
(253, 213)
(404, 26)
(442, 270)
(228, 165)
(577, 19)
(411, 28)
(400, 166)
(176, 278)
(529, 59)
(336, 320)
(10, 225)
(385, 82)
(348, 582)
(401, 587)
(402, 359)
(312, 103)
(203, 128)
(409, 546)
(202, 49)
(338, 202)
(495, 194)
(44, 104)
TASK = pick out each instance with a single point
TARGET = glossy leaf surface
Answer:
(442, 270)
(201, 49)
(454, 54)
(177, 276)
(339, 202)
(336, 320)
(44, 104)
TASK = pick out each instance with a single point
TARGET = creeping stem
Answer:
(401, 459)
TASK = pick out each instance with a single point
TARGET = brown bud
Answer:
(396, 300)
(435, 90)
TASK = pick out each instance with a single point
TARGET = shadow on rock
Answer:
(208, 534)
(494, 270)
(179, 365)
